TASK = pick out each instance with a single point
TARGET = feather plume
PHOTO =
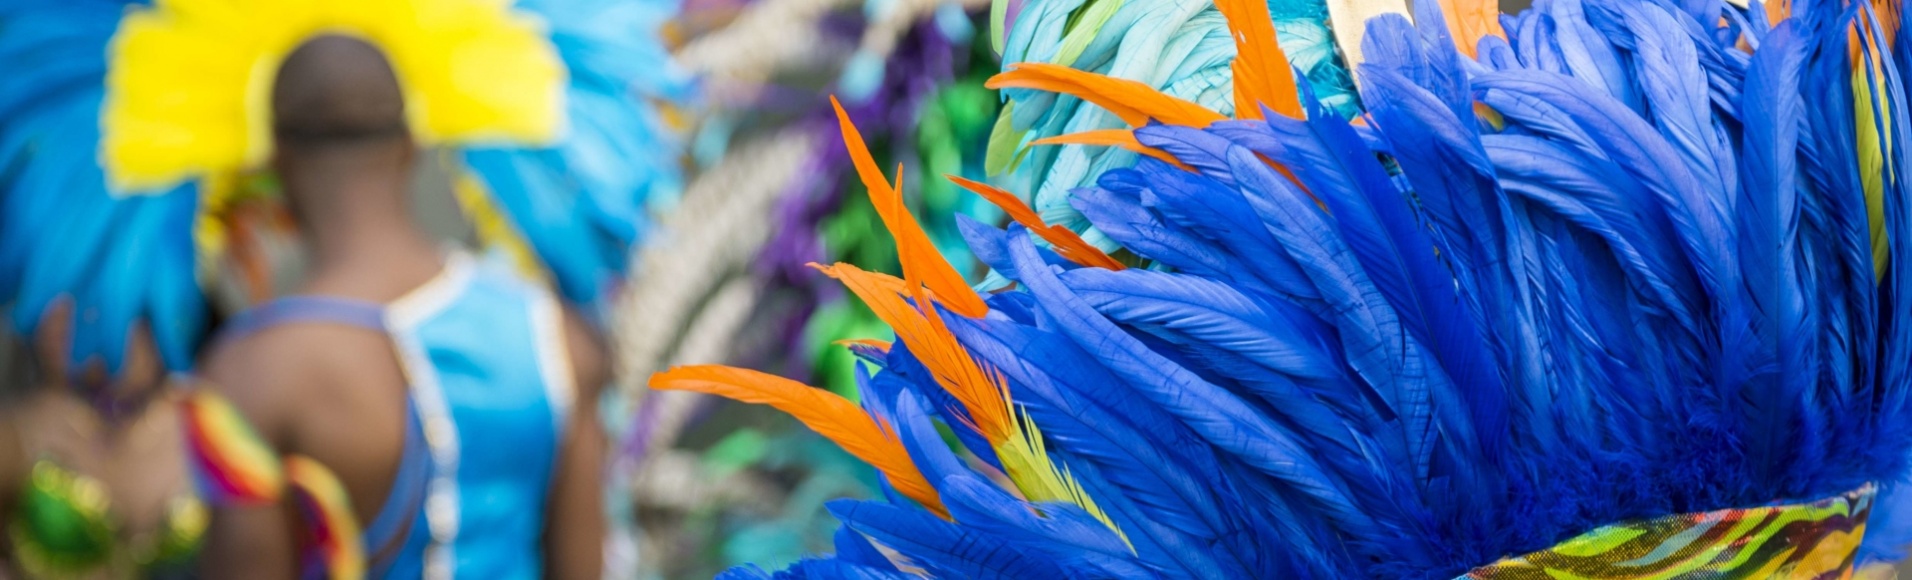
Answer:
(1470, 21)
(1123, 138)
(1065, 242)
(1134, 102)
(1262, 74)
(830, 415)
(921, 262)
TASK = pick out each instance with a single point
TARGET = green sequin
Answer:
(62, 529)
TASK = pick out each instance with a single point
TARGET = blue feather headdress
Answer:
(1617, 297)
(584, 202)
(122, 257)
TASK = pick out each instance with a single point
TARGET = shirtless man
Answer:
(455, 403)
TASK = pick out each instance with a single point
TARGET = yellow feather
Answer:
(1026, 459)
(1868, 81)
(471, 71)
(494, 230)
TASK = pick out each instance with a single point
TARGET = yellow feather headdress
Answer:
(187, 89)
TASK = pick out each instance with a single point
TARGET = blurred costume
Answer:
(1617, 292)
(483, 351)
(63, 525)
(129, 129)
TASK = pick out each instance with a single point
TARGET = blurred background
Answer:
(746, 181)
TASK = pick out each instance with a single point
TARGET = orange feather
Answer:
(1888, 13)
(922, 328)
(1124, 138)
(1471, 20)
(831, 416)
(1263, 76)
(1777, 10)
(881, 281)
(1135, 103)
(1066, 242)
(920, 259)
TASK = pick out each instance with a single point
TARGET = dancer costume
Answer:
(1615, 293)
(115, 165)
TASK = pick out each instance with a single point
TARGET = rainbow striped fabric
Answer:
(334, 551)
(1814, 540)
(234, 467)
(230, 463)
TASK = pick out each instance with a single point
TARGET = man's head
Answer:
(338, 119)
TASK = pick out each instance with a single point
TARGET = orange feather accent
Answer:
(1777, 10)
(1066, 242)
(1471, 20)
(1888, 13)
(1263, 76)
(1135, 103)
(920, 259)
(884, 282)
(1124, 138)
(832, 416)
(921, 327)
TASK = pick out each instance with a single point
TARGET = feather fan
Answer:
(1601, 269)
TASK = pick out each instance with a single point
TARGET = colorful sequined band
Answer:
(1809, 540)
(334, 551)
(231, 464)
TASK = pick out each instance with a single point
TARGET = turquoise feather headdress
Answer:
(1182, 49)
(1618, 298)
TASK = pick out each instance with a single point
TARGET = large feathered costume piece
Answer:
(1619, 297)
(114, 171)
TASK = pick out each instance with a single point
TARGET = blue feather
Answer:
(1113, 207)
(1217, 415)
(906, 373)
(1066, 532)
(941, 547)
(1775, 114)
(853, 548)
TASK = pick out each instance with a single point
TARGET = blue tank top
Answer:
(490, 393)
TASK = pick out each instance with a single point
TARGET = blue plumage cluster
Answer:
(117, 258)
(584, 202)
(1640, 258)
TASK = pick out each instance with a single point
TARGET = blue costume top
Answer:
(491, 391)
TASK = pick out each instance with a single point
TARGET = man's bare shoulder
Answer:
(272, 374)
